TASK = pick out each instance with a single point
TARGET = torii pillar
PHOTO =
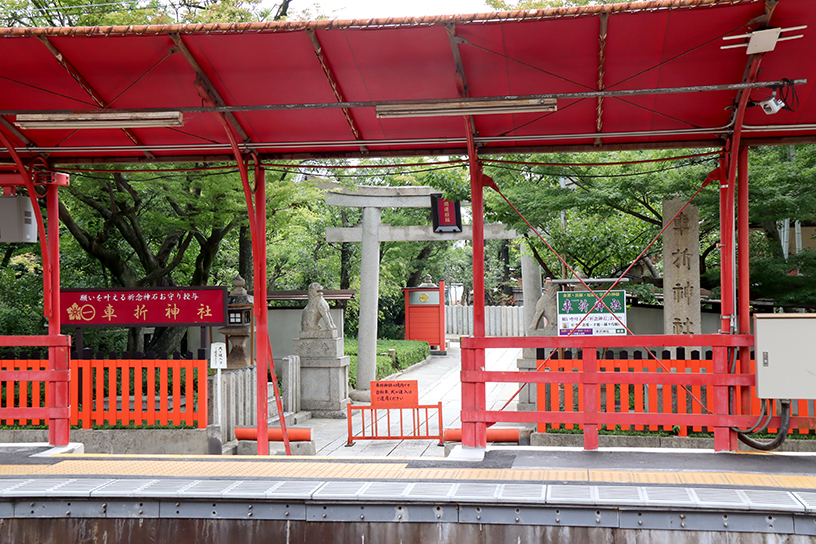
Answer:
(372, 199)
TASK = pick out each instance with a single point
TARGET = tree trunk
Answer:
(245, 257)
(345, 256)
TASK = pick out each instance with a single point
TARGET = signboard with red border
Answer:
(148, 307)
(395, 394)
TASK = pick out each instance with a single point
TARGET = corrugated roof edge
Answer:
(329, 24)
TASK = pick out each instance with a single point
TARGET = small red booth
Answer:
(425, 314)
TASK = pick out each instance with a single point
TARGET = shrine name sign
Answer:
(149, 307)
(394, 394)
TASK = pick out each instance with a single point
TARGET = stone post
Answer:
(531, 289)
(369, 303)
(681, 270)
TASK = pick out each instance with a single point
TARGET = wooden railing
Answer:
(117, 392)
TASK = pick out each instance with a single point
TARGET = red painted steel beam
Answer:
(88, 88)
(35, 375)
(37, 341)
(206, 85)
(622, 378)
(743, 273)
(612, 418)
(633, 342)
(56, 412)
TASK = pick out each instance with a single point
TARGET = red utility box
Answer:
(425, 314)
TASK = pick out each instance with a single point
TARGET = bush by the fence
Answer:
(408, 352)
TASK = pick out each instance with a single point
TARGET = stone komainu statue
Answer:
(316, 309)
(547, 308)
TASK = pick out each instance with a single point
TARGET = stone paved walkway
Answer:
(438, 380)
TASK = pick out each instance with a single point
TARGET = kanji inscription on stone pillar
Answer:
(681, 269)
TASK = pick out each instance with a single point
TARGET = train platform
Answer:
(614, 489)
(392, 491)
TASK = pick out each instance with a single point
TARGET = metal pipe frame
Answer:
(58, 345)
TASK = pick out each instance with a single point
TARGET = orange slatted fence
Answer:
(411, 423)
(627, 397)
(118, 392)
(23, 394)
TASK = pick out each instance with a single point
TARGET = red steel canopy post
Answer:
(474, 435)
(743, 274)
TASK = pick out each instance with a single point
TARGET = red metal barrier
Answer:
(379, 426)
(672, 399)
(593, 374)
(48, 387)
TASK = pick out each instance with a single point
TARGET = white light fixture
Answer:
(466, 107)
(763, 41)
(100, 119)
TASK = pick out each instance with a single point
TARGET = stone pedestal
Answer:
(323, 373)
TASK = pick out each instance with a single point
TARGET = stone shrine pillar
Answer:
(531, 288)
(323, 367)
(681, 270)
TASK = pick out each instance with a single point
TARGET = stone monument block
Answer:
(318, 347)
(681, 269)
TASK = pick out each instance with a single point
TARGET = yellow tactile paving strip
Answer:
(325, 468)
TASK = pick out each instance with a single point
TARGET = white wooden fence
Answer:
(499, 320)
(239, 393)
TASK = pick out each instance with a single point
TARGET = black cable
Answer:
(780, 436)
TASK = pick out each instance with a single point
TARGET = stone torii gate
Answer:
(372, 199)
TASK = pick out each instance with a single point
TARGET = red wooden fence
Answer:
(624, 397)
(118, 392)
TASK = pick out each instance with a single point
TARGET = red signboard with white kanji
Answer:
(149, 307)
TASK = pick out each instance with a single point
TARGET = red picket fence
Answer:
(118, 391)
(624, 397)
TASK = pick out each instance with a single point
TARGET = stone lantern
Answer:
(240, 325)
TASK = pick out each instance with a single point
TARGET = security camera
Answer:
(771, 105)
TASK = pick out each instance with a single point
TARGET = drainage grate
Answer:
(122, 488)
(252, 489)
(294, 489)
(674, 496)
(166, 488)
(340, 490)
(523, 493)
(476, 492)
(429, 490)
(206, 489)
(771, 499)
(78, 488)
(572, 494)
(35, 488)
(385, 490)
(718, 497)
(620, 494)
(807, 498)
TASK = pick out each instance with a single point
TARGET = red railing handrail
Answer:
(636, 341)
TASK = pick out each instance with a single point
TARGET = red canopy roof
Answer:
(284, 81)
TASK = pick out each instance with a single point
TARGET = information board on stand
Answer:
(607, 319)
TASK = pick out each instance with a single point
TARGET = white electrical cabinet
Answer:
(785, 356)
(17, 222)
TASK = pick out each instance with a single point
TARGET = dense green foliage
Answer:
(408, 352)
